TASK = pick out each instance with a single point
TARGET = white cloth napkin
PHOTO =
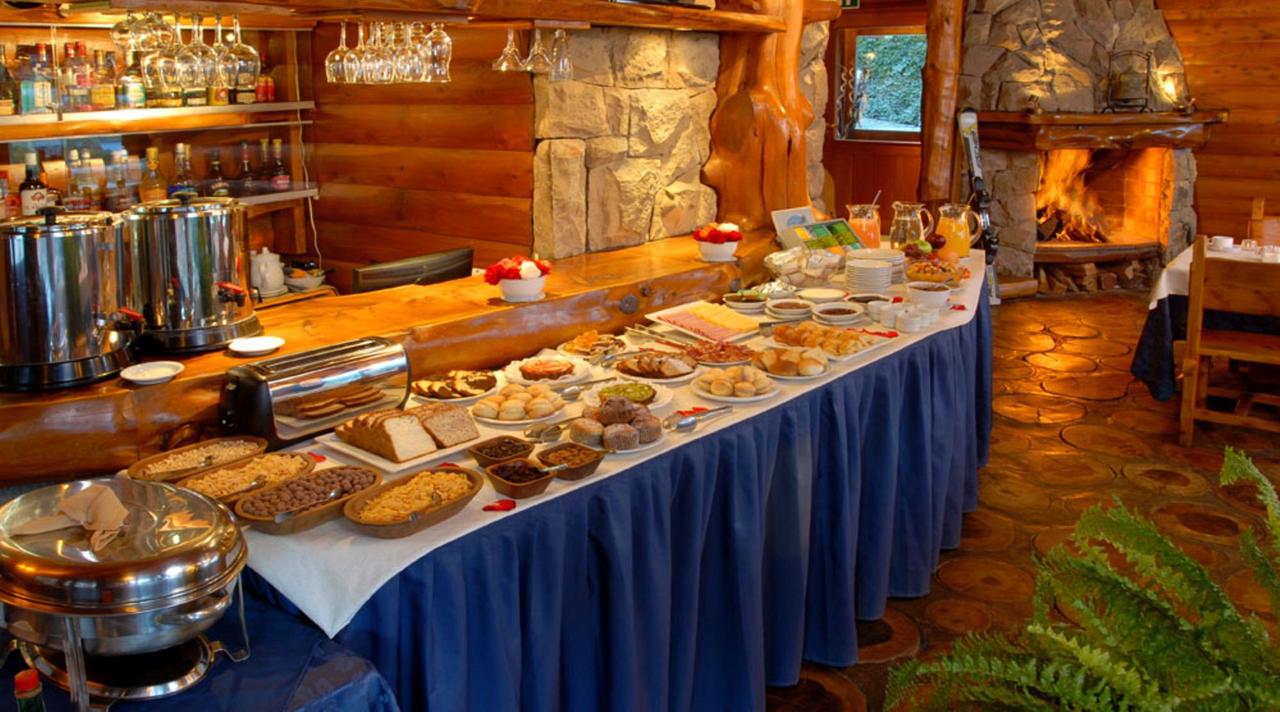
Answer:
(96, 508)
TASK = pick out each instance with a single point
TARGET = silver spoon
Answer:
(282, 517)
(546, 432)
(685, 423)
(571, 393)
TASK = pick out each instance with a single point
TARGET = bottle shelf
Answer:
(257, 201)
(36, 127)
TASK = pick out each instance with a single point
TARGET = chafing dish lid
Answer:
(183, 205)
(175, 546)
(55, 222)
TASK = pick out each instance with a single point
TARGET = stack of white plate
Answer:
(868, 275)
(894, 257)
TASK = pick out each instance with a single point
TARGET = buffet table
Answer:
(1153, 359)
(687, 576)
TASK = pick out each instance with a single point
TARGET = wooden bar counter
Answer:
(102, 427)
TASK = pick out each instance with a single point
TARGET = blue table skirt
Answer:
(1167, 322)
(693, 580)
(293, 667)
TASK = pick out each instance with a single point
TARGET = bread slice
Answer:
(392, 434)
(448, 424)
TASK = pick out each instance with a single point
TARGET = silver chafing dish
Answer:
(167, 577)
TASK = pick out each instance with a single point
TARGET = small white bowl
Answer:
(302, 284)
(151, 373)
(255, 345)
(523, 290)
(744, 307)
(930, 294)
(823, 312)
(712, 252)
(821, 295)
(789, 311)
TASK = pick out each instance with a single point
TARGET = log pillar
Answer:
(944, 28)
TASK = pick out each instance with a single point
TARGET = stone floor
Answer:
(1072, 428)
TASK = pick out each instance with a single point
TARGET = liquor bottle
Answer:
(248, 66)
(88, 184)
(102, 91)
(215, 184)
(262, 176)
(245, 184)
(9, 92)
(33, 193)
(36, 84)
(74, 199)
(153, 185)
(183, 181)
(28, 693)
(280, 180)
(4, 196)
(74, 81)
(132, 92)
(115, 192)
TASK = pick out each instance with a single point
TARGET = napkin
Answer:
(96, 508)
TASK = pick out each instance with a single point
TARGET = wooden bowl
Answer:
(428, 515)
(308, 465)
(485, 461)
(573, 473)
(304, 519)
(136, 470)
(519, 490)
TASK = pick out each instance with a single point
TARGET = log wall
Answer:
(1232, 53)
(406, 170)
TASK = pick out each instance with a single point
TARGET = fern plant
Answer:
(1150, 629)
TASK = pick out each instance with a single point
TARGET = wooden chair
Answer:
(1265, 230)
(1230, 286)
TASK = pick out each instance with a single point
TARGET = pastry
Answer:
(546, 369)
(455, 384)
(658, 365)
(736, 381)
(586, 431)
(616, 410)
(620, 437)
(638, 393)
(833, 340)
(592, 343)
(517, 402)
(648, 427)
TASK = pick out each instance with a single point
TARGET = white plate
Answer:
(255, 345)
(821, 295)
(618, 347)
(332, 441)
(147, 374)
(800, 378)
(657, 317)
(735, 399)
(495, 421)
(678, 380)
(639, 448)
(268, 295)
(497, 386)
(772, 307)
(746, 307)
(581, 371)
(661, 398)
(838, 359)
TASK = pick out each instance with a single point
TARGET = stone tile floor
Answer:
(1072, 428)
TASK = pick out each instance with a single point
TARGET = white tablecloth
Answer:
(330, 571)
(1176, 275)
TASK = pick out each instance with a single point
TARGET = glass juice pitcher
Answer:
(954, 224)
(865, 221)
(911, 222)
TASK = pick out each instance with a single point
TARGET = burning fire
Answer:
(1065, 207)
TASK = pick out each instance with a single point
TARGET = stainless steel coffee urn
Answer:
(193, 272)
(66, 305)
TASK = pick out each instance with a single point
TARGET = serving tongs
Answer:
(547, 432)
(667, 338)
(570, 392)
(686, 422)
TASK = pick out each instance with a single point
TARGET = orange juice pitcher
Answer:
(865, 221)
(954, 221)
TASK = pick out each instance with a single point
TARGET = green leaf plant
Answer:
(1139, 625)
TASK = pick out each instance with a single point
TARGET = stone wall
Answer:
(621, 146)
(814, 85)
(1052, 56)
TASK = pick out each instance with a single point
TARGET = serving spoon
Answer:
(680, 423)
(282, 517)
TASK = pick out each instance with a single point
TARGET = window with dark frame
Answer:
(879, 89)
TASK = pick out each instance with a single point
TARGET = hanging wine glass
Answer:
(410, 66)
(509, 60)
(418, 45)
(380, 66)
(353, 62)
(538, 62)
(561, 63)
(224, 78)
(156, 32)
(124, 34)
(197, 61)
(334, 60)
(440, 51)
(248, 66)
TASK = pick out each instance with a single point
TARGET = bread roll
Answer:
(744, 389)
(513, 410)
(586, 431)
(485, 409)
(539, 409)
(810, 366)
(722, 387)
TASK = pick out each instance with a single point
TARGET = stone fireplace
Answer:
(1072, 183)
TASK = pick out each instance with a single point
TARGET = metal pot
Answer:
(193, 271)
(66, 309)
(162, 581)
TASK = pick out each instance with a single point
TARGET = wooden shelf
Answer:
(601, 13)
(286, 196)
(37, 127)
(1045, 132)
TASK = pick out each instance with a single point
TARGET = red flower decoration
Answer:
(509, 268)
(715, 234)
